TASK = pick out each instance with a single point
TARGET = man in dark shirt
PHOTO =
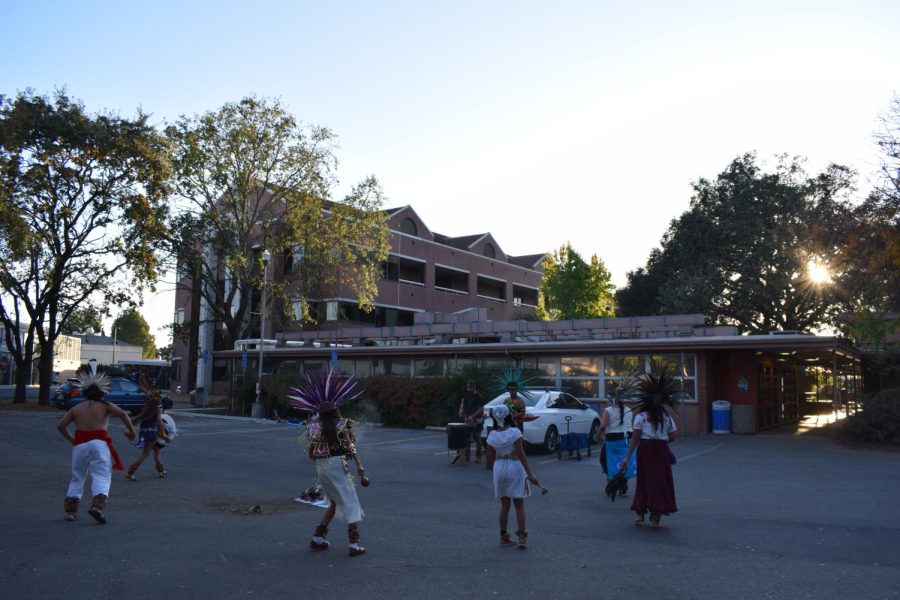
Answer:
(471, 409)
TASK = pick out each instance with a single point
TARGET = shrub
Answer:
(878, 421)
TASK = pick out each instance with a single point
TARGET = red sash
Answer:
(99, 434)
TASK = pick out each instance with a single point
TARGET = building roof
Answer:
(100, 340)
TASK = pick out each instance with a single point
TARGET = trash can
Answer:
(721, 416)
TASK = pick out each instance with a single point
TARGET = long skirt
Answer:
(338, 489)
(655, 489)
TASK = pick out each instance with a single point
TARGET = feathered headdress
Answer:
(514, 376)
(93, 377)
(658, 388)
(323, 392)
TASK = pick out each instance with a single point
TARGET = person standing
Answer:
(516, 405)
(471, 410)
(506, 457)
(93, 452)
(654, 429)
(331, 443)
(616, 424)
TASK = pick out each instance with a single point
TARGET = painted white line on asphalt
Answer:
(681, 458)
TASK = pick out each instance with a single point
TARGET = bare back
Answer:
(90, 415)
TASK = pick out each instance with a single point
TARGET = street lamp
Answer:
(257, 408)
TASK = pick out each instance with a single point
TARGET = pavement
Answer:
(782, 514)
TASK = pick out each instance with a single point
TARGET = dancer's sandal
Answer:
(130, 476)
(654, 520)
(320, 532)
(639, 519)
(523, 539)
(506, 540)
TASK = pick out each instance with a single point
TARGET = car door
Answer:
(572, 407)
(125, 394)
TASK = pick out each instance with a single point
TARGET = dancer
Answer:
(654, 429)
(93, 450)
(471, 410)
(506, 455)
(616, 424)
(514, 383)
(164, 436)
(331, 441)
(150, 419)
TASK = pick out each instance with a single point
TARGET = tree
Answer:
(749, 249)
(83, 206)
(871, 256)
(251, 179)
(574, 289)
(131, 328)
(83, 320)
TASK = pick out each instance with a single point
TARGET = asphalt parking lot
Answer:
(768, 516)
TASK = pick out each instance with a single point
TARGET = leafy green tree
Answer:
(83, 207)
(745, 251)
(251, 178)
(574, 289)
(132, 328)
(83, 320)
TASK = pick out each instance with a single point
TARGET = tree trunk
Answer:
(23, 377)
(45, 377)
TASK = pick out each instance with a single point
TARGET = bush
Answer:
(879, 418)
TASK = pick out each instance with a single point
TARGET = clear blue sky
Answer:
(540, 122)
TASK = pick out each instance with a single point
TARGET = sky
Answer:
(539, 122)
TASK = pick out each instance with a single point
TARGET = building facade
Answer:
(425, 272)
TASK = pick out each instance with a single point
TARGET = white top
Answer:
(614, 426)
(642, 422)
(504, 442)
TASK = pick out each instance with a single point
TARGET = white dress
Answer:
(509, 475)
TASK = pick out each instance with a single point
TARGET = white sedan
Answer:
(545, 417)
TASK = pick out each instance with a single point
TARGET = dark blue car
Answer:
(124, 393)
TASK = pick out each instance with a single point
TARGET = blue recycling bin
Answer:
(721, 416)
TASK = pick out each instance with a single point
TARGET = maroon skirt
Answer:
(655, 488)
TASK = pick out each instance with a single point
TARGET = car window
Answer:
(571, 402)
(123, 385)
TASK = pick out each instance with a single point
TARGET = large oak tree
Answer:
(82, 208)
(756, 249)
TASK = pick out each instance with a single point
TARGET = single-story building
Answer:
(767, 380)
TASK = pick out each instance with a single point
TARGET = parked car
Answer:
(123, 393)
(545, 417)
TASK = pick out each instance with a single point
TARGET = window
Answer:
(579, 375)
(179, 317)
(408, 226)
(429, 367)
(489, 251)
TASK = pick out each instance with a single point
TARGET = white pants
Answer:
(90, 457)
(339, 489)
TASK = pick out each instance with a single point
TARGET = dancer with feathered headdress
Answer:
(93, 451)
(331, 441)
(515, 383)
(654, 429)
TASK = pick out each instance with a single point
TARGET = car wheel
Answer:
(551, 439)
(592, 436)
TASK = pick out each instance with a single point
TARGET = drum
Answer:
(456, 436)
